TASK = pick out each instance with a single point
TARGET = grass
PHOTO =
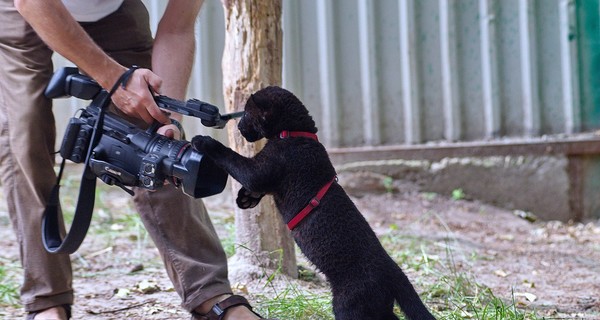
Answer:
(458, 194)
(105, 229)
(449, 292)
(9, 272)
(296, 303)
(9, 287)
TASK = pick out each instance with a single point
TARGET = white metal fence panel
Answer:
(384, 72)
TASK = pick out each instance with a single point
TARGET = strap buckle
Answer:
(314, 202)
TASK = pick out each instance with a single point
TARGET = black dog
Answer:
(295, 168)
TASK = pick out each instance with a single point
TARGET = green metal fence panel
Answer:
(588, 14)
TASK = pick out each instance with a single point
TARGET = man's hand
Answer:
(136, 99)
(56, 26)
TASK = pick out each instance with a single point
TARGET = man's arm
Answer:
(59, 30)
(174, 46)
(173, 50)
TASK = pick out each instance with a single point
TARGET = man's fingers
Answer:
(154, 81)
(137, 99)
(150, 81)
(156, 113)
(144, 115)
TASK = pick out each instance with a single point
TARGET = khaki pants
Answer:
(178, 224)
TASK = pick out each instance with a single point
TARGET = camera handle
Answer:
(52, 223)
(68, 81)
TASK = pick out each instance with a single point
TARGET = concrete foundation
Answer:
(554, 187)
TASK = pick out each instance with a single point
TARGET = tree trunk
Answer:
(252, 60)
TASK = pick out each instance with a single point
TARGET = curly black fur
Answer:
(335, 237)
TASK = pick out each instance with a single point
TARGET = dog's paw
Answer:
(248, 199)
(204, 144)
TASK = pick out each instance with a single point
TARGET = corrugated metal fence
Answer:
(388, 72)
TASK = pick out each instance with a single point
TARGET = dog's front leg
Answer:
(252, 174)
(247, 198)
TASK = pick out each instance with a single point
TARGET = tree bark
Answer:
(252, 59)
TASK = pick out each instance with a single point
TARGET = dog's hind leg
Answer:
(410, 303)
(390, 315)
(367, 307)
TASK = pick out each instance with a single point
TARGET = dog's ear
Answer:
(252, 124)
(257, 107)
(269, 110)
(262, 102)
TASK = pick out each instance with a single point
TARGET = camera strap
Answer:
(52, 223)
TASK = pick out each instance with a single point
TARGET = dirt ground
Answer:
(548, 266)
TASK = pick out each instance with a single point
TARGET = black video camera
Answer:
(126, 155)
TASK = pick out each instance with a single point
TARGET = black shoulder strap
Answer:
(51, 222)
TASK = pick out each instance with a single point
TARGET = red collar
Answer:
(291, 134)
(313, 203)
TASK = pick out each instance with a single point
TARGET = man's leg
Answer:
(27, 137)
(188, 243)
(179, 225)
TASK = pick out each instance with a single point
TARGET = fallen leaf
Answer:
(528, 284)
(526, 215)
(501, 273)
(529, 296)
(117, 227)
(148, 286)
(240, 287)
(136, 268)
(122, 293)
(507, 237)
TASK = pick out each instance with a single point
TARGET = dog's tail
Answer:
(408, 299)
